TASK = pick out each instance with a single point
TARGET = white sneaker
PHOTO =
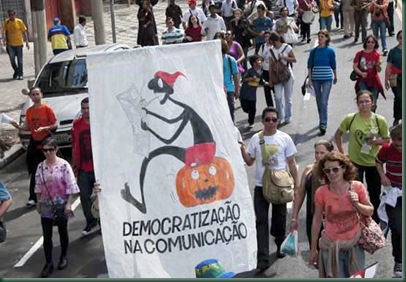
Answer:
(31, 203)
(397, 270)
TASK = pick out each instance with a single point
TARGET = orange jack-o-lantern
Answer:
(205, 183)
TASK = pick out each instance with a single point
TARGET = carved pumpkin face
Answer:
(205, 183)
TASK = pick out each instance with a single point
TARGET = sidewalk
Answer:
(11, 99)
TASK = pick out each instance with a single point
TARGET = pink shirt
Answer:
(340, 218)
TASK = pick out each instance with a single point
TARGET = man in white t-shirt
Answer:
(213, 24)
(292, 5)
(193, 10)
(282, 157)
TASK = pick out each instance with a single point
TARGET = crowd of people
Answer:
(333, 184)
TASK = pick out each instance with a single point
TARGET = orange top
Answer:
(340, 218)
(38, 117)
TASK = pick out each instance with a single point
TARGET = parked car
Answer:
(63, 81)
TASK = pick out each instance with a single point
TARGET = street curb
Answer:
(10, 155)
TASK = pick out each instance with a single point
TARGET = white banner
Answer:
(174, 188)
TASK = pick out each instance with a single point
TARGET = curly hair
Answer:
(350, 172)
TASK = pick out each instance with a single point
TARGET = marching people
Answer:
(367, 64)
(392, 6)
(55, 187)
(59, 36)
(14, 35)
(213, 24)
(242, 33)
(393, 77)
(147, 32)
(227, 11)
(379, 16)
(261, 24)
(326, 9)
(309, 183)
(322, 75)
(291, 5)
(283, 91)
(82, 160)
(193, 32)
(337, 204)
(281, 156)
(231, 77)
(40, 120)
(390, 155)
(248, 92)
(360, 19)
(175, 12)
(193, 10)
(172, 35)
(264, 52)
(367, 131)
(284, 23)
(305, 6)
(235, 50)
(348, 18)
(79, 33)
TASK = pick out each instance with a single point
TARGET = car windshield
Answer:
(63, 78)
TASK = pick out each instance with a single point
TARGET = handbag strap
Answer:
(273, 54)
(263, 151)
(356, 211)
(46, 187)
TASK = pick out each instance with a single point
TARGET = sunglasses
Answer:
(274, 119)
(48, 150)
(334, 170)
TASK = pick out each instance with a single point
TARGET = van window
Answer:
(63, 78)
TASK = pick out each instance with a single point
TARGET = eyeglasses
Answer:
(228, 34)
(274, 119)
(48, 150)
(371, 42)
(334, 170)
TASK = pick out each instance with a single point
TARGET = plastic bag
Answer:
(289, 245)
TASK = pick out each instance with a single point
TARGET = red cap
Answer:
(191, 2)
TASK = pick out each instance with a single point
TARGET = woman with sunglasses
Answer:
(367, 65)
(55, 187)
(336, 205)
(235, 50)
(393, 77)
(309, 183)
(367, 131)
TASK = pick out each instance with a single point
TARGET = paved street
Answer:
(23, 245)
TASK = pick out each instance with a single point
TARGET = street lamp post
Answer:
(113, 21)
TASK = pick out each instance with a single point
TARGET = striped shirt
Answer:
(393, 158)
(172, 37)
(322, 62)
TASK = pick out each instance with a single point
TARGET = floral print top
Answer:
(54, 183)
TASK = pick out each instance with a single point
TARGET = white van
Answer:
(63, 80)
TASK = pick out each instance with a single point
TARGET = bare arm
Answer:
(293, 170)
(4, 206)
(387, 75)
(25, 33)
(241, 56)
(236, 78)
(338, 136)
(247, 158)
(317, 217)
(384, 179)
(299, 198)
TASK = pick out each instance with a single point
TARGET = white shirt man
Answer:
(213, 24)
(193, 10)
(79, 33)
(290, 4)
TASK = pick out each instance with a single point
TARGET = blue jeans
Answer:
(325, 23)
(380, 27)
(230, 101)
(13, 53)
(86, 180)
(344, 260)
(322, 90)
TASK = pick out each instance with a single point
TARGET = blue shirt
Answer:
(57, 34)
(4, 194)
(228, 73)
(262, 24)
(322, 62)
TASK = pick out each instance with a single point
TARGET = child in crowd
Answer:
(248, 92)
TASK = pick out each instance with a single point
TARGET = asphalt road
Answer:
(23, 246)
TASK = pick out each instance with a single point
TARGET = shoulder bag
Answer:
(354, 74)
(372, 237)
(278, 71)
(277, 185)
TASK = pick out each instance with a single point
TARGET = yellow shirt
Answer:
(326, 8)
(14, 32)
